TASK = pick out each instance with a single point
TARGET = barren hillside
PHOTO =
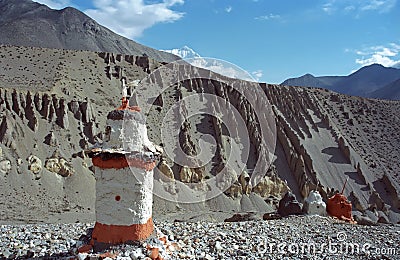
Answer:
(54, 104)
(28, 23)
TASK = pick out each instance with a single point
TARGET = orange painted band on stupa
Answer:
(116, 234)
(122, 162)
(125, 106)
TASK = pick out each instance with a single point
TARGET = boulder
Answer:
(35, 164)
(197, 175)
(364, 220)
(167, 173)
(289, 205)
(59, 166)
(234, 191)
(185, 174)
(270, 185)
(314, 205)
(5, 166)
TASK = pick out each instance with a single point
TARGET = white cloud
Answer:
(131, 17)
(382, 6)
(358, 6)
(257, 74)
(328, 8)
(55, 4)
(388, 56)
(228, 9)
(349, 8)
(268, 17)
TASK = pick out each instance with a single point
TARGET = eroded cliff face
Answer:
(54, 103)
(322, 140)
(326, 139)
(53, 107)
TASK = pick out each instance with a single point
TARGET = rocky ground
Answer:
(305, 237)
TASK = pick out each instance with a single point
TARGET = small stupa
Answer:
(338, 206)
(314, 205)
(123, 164)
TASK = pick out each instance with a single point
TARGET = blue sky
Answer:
(278, 39)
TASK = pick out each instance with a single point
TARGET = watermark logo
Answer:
(235, 129)
(339, 246)
(341, 236)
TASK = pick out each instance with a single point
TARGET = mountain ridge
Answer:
(364, 82)
(390, 91)
(27, 23)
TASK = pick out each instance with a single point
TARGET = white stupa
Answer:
(314, 205)
(124, 164)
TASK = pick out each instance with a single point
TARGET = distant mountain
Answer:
(27, 23)
(216, 65)
(366, 80)
(306, 80)
(390, 91)
(360, 83)
(185, 53)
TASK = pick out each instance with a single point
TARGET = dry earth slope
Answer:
(54, 104)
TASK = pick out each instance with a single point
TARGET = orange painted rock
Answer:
(338, 206)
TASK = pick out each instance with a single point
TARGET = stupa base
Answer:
(104, 235)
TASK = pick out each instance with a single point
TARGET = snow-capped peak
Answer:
(185, 53)
(216, 65)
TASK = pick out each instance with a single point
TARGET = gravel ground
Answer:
(305, 237)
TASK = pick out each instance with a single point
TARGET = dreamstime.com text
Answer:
(338, 247)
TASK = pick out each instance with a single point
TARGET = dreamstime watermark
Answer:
(235, 129)
(333, 247)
